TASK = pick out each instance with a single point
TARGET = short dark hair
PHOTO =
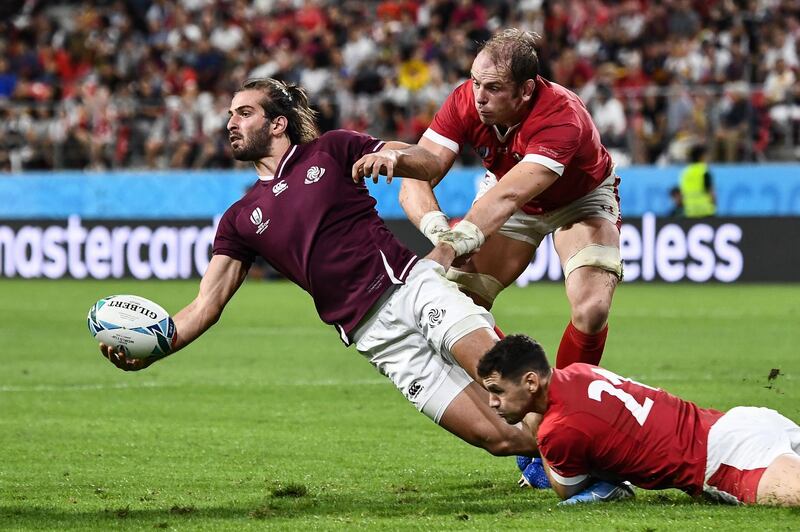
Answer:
(514, 356)
(289, 100)
(515, 50)
(697, 152)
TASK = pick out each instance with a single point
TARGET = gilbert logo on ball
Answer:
(134, 325)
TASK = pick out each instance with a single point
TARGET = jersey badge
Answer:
(435, 316)
(414, 389)
(314, 174)
(257, 218)
(279, 187)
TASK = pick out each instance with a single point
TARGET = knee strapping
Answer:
(596, 255)
(482, 285)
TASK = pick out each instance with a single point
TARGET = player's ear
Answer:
(528, 89)
(279, 125)
(531, 381)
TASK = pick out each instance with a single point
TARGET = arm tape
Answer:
(465, 237)
(433, 224)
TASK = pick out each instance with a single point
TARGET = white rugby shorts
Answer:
(746, 439)
(599, 203)
(409, 338)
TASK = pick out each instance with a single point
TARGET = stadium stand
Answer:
(146, 83)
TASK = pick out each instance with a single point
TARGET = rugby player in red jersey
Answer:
(308, 219)
(546, 172)
(596, 424)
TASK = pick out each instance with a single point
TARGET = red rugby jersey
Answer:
(604, 425)
(558, 133)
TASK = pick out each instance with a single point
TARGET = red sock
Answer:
(577, 346)
(500, 334)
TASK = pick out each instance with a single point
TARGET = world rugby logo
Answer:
(314, 174)
(255, 217)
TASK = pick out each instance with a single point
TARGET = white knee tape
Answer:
(482, 285)
(596, 255)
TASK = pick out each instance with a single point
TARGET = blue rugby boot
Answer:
(601, 491)
(533, 474)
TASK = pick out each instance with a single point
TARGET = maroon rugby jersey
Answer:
(600, 424)
(558, 133)
(319, 229)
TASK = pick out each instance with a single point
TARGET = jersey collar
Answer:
(504, 137)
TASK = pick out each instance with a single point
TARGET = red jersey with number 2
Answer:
(604, 425)
(558, 133)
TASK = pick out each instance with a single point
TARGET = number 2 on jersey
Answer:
(596, 389)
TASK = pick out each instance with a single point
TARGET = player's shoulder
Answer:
(246, 199)
(461, 102)
(573, 372)
(553, 105)
(464, 99)
(338, 140)
(336, 136)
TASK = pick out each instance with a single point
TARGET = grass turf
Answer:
(268, 421)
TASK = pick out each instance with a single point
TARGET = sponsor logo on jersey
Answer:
(314, 174)
(548, 151)
(280, 187)
(482, 151)
(414, 389)
(256, 217)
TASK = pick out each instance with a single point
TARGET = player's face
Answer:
(248, 127)
(498, 99)
(511, 399)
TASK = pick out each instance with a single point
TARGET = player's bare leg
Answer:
(589, 289)
(780, 483)
(469, 416)
(501, 257)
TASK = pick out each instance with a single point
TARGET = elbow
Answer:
(511, 201)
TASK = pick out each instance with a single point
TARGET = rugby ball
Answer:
(134, 325)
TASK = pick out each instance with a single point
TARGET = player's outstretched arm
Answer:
(417, 197)
(415, 161)
(222, 278)
(521, 184)
(566, 488)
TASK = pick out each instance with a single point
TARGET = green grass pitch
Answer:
(268, 422)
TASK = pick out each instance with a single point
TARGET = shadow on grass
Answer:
(298, 502)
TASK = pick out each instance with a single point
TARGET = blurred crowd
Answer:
(147, 83)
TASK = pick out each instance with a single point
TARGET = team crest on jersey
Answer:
(279, 187)
(482, 151)
(435, 316)
(314, 174)
(257, 217)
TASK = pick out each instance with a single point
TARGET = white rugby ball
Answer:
(134, 325)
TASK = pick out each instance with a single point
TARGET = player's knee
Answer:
(590, 315)
(483, 288)
(606, 258)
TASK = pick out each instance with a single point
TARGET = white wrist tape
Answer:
(465, 237)
(433, 224)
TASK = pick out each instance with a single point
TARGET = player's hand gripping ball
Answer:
(133, 325)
